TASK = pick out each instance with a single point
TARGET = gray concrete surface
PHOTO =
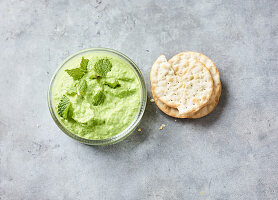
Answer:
(230, 154)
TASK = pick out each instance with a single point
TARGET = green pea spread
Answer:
(96, 95)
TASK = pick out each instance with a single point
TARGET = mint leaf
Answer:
(98, 98)
(71, 91)
(63, 106)
(125, 93)
(82, 86)
(84, 64)
(112, 82)
(102, 67)
(76, 73)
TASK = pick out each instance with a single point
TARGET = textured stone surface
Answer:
(230, 154)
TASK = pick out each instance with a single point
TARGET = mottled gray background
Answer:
(230, 154)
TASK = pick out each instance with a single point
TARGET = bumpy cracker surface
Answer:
(165, 83)
(181, 58)
(173, 112)
(188, 89)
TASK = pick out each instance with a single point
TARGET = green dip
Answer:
(120, 100)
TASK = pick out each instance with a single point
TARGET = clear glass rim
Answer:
(120, 136)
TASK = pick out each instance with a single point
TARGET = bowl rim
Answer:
(120, 136)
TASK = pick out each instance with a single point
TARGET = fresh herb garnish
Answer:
(84, 64)
(63, 106)
(102, 67)
(125, 93)
(100, 70)
(112, 82)
(82, 86)
(78, 73)
(98, 98)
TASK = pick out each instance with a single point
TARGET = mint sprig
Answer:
(102, 67)
(82, 86)
(125, 93)
(112, 82)
(98, 98)
(78, 73)
(64, 106)
(100, 70)
(84, 64)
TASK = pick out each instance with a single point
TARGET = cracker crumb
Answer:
(175, 120)
(139, 129)
(152, 100)
(161, 127)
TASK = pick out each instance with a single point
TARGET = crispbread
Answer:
(188, 89)
(179, 58)
(163, 80)
(209, 107)
(173, 112)
(176, 60)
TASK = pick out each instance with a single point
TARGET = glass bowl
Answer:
(120, 136)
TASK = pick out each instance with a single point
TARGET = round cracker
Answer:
(173, 112)
(188, 89)
(216, 91)
(208, 108)
(162, 75)
(179, 58)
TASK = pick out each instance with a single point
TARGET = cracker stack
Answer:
(186, 86)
